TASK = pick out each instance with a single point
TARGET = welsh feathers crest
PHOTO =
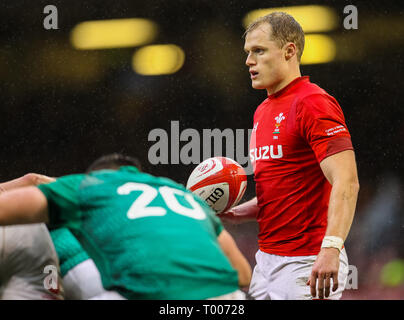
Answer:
(278, 122)
(279, 118)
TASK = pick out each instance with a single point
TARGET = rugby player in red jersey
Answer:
(304, 169)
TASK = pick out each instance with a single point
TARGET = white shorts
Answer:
(109, 295)
(25, 251)
(83, 282)
(236, 295)
(284, 278)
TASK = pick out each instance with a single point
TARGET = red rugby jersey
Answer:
(294, 130)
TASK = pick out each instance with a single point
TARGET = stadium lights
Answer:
(312, 18)
(158, 59)
(117, 33)
(318, 48)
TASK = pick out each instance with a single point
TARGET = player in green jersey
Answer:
(81, 278)
(149, 237)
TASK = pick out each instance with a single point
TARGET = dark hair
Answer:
(114, 161)
(284, 29)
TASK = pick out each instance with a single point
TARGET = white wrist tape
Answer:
(332, 242)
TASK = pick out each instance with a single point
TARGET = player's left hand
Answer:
(324, 269)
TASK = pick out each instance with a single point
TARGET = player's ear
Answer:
(290, 50)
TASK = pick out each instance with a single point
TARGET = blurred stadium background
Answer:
(67, 99)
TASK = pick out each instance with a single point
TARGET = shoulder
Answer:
(315, 100)
(310, 91)
(67, 179)
(65, 186)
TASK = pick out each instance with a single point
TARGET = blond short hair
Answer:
(284, 29)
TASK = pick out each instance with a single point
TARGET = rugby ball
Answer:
(220, 181)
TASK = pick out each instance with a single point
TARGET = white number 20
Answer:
(140, 207)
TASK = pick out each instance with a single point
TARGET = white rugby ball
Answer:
(220, 181)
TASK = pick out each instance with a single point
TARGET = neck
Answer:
(284, 82)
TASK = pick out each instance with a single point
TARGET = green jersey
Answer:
(69, 250)
(149, 237)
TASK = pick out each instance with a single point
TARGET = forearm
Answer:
(340, 171)
(341, 208)
(247, 210)
(236, 258)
